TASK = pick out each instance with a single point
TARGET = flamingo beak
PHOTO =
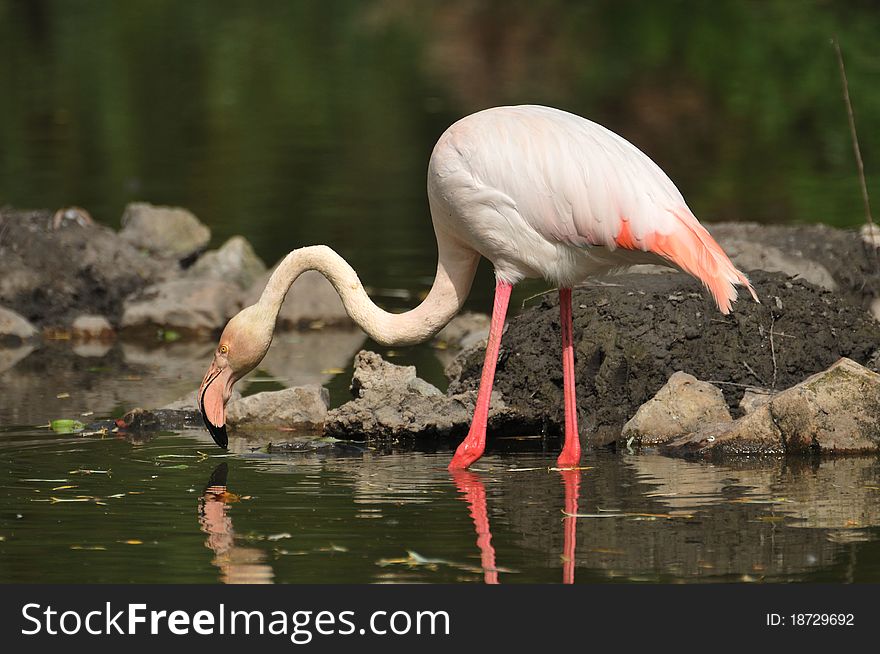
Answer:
(213, 394)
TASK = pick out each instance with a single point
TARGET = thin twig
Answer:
(754, 374)
(738, 385)
(852, 130)
(773, 349)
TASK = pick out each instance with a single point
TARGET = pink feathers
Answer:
(690, 247)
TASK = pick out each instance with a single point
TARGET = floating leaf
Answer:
(278, 536)
(64, 426)
(63, 396)
(132, 541)
(93, 548)
(167, 335)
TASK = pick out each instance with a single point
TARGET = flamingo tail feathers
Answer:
(691, 248)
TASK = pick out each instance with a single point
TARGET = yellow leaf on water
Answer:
(132, 541)
(63, 396)
(333, 371)
(64, 487)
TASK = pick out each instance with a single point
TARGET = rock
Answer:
(750, 255)
(836, 411)
(682, 406)
(187, 306)
(373, 374)
(303, 408)
(168, 232)
(51, 276)
(14, 329)
(235, 262)
(391, 402)
(311, 301)
(753, 398)
(870, 235)
(631, 334)
(91, 327)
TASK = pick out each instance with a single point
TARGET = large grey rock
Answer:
(303, 408)
(170, 232)
(311, 301)
(14, 328)
(50, 276)
(187, 306)
(391, 402)
(682, 406)
(834, 411)
(235, 262)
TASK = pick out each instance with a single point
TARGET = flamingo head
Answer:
(243, 344)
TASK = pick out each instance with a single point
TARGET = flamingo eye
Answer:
(224, 349)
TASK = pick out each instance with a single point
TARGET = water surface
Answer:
(175, 509)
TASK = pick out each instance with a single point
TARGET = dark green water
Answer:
(108, 510)
(303, 122)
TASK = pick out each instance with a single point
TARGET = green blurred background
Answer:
(304, 122)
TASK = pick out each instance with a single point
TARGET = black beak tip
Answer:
(217, 433)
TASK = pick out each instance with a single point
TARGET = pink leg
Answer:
(474, 493)
(572, 481)
(471, 448)
(571, 451)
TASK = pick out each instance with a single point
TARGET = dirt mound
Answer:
(633, 331)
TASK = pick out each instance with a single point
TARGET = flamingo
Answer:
(539, 192)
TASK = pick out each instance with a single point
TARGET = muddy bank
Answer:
(632, 332)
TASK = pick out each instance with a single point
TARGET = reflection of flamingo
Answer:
(471, 487)
(474, 493)
(572, 481)
(238, 565)
(540, 193)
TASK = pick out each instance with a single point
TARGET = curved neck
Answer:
(456, 267)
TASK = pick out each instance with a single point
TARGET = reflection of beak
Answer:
(213, 394)
(217, 482)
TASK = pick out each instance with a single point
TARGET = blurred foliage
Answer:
(300, 122)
